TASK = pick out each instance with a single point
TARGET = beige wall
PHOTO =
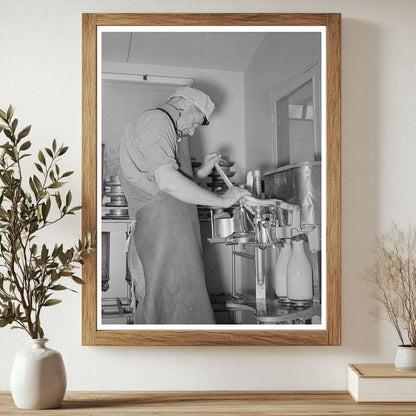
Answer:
(41, 76)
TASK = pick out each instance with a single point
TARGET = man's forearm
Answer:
(171, 181)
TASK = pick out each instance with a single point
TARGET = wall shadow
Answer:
(361, 189)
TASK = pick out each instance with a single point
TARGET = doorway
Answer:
(297, 115)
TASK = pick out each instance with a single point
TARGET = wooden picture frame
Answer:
(331, 334)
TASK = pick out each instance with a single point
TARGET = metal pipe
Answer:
(259, 264)
(233, 289)
(246, 255)
(223, 176)
(212, 223)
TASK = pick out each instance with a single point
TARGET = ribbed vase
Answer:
(405, 358)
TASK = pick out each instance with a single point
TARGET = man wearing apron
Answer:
(161, 200)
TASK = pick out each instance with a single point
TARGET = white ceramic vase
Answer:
(38, 377)
(405, 358)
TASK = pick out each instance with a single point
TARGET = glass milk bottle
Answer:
(299, 275)
(280, 270)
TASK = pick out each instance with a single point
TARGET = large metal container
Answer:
(298, 184)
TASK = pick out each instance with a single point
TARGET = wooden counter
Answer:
(212, 403)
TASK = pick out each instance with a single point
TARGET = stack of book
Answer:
(381, 383)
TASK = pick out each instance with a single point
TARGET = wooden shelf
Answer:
(268, 403)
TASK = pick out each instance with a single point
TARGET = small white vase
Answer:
(405, 358)
(38, 377)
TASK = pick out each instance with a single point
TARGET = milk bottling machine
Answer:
(284, 216)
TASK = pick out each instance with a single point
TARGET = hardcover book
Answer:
(381, 383)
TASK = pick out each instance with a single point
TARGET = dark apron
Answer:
(167, 240)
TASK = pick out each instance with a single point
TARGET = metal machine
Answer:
(286, 206)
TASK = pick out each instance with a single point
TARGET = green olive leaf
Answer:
(24, 132)
(51, 302)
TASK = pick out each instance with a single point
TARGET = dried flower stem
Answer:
(393, 276)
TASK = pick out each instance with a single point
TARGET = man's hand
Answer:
(233, 195)
(208, 165)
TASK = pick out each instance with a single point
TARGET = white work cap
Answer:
(199, 98)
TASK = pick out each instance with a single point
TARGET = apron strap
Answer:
(130, 231)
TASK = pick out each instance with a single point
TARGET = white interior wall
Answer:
(302, 144)
(277, 60)
(41, 44)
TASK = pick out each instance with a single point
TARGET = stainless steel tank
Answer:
(298, 184)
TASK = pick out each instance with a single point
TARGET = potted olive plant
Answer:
(393, 277)
(31, 272)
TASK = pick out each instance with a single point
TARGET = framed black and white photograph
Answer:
(211, 172)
